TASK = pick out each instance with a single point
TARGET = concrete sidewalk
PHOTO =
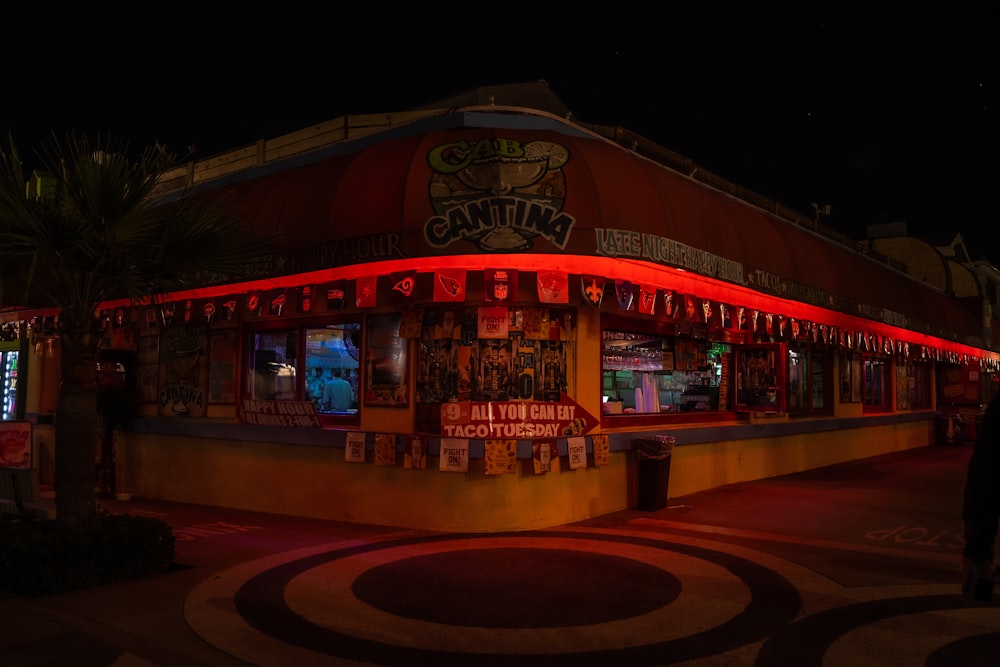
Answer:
(857, 563)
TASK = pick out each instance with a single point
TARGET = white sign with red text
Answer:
(515, 419)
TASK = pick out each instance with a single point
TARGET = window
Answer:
(316, 363)
(761, 377)
(807, 390)
(876, 385)
(913, 385)
(331, 366)
(646, 373)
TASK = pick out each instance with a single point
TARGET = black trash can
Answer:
(653, 458)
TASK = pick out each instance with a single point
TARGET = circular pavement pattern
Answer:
(561, 597)
(310, 602)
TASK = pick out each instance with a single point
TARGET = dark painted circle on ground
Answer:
(977, 651)
(774, 603)
(807, 640)
(516, 587)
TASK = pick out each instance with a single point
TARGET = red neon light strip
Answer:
(663, 277)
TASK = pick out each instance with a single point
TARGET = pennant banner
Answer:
(230, 305)
(671, 305)
(305, 298)
(500, 285)
(364, 291)
(647, 300)
(553, 287)
(255, 303)
(277, 301)
(592, 289)
(336, 293)
(625, 295)
(402, 286)
(449, 285)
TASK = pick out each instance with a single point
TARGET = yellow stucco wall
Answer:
(317, 482)
(701, 467)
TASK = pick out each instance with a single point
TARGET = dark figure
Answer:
(981, 509)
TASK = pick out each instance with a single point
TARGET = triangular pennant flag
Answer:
(647, 300)
(449, 285)
(553, 286)
(401, 286)
(187, 311)
(253, 301)
(305, 298)
(167, 312)
(500, 285)
(690, 308)
(276, 301)
(592, 289)
(230, 305)
(336, 295)
(364, 291)
(208, 310)
(625, 294)
(671, 304)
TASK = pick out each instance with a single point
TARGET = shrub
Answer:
(36, 558)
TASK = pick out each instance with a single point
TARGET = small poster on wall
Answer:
(354, 452)
(454, 455)
(501, 457)
(15, 443)
(385, 449)
(415, 454)
(542, 454)
(601, 450)
(183, 378)
(577, 450)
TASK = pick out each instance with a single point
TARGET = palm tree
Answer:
(97, 230)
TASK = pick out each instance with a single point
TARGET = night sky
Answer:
(886, 115)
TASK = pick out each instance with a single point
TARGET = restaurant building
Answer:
(478, 309)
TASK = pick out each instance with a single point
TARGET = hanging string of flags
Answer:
(732, 322)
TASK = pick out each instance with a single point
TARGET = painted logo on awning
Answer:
(498, 194)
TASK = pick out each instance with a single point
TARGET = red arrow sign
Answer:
(516, 419)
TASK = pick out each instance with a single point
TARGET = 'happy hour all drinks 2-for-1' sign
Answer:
(515, 419)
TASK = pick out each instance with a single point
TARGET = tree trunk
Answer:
(77, 434)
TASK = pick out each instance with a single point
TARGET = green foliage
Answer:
(39, 558)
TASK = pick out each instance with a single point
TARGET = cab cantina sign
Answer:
(498, 194)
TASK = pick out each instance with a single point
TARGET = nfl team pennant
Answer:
(671, 304)
(305, 298)
(500, 285)
(230, 305)
(402, 286)
(647, 300)
(449, 285)
(364, 291)
(625, 294)
(553, 287)
(336, 295)
(592, 289)
(255, 303)
(277, 301)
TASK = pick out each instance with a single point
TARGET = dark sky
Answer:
(885, 114)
